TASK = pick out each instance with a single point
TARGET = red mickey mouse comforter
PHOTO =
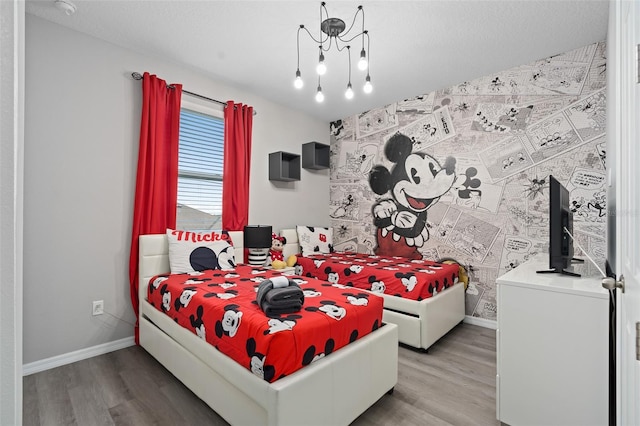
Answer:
(415, 279)
(219, 306)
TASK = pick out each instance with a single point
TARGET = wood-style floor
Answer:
(452, 384)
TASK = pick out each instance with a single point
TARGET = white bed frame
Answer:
(420, 323)
(333, 390)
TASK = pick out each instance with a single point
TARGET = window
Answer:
(200, 168)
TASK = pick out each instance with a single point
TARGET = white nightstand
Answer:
(552, 348)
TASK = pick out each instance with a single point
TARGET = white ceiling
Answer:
(416, 46)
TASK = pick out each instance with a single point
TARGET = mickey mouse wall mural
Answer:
(415, 182)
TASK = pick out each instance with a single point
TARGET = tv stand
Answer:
(561, 271)
(552, 348)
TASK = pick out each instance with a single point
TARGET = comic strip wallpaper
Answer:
(463, 172)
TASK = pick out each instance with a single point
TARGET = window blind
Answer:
(200, 169)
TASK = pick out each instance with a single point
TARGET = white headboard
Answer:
(154, 257)
(292, 246)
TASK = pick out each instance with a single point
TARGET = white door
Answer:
(624, 138)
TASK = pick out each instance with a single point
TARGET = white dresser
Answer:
(552, 347)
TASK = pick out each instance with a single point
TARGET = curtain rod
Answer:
(138, 76)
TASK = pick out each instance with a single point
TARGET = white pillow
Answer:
(196, 251)
(315, 240)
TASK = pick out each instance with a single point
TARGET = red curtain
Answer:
(238, 123)
(155, 202)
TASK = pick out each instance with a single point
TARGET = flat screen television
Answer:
(560, 221)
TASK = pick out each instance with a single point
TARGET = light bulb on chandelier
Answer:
(362, 63)
(368, 88)
(332, 33)
(349, 93)
(298, 83)
(319, 95)
(321, 68)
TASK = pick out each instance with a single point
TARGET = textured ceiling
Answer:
(416, 46)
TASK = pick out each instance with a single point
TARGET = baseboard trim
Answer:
(481, 322)
(79, 355)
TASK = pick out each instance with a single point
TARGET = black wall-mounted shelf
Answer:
(315, 155)
(284, 166)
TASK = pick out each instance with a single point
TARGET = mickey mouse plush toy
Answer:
(277, 255)
(277, 245)
(416, 182)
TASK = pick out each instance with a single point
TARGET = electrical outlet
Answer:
(98, 307)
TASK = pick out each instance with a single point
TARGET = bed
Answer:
(332, 390)
(420, 322)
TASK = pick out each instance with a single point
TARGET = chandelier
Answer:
(332, 33)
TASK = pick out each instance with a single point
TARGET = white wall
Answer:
(81, 138)
(11, 181)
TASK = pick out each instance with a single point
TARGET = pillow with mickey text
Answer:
(197, 251)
